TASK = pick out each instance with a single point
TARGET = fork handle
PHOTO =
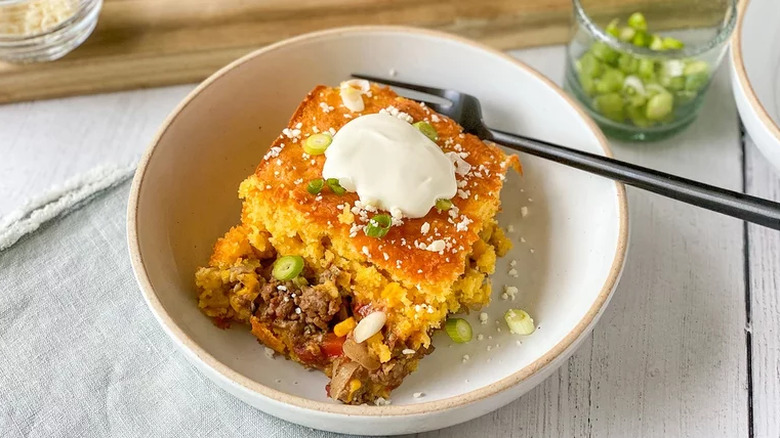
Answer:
(735, 204)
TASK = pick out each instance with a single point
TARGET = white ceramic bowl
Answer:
(755, 62)
(184, 197)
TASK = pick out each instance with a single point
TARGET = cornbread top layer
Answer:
(429, 250)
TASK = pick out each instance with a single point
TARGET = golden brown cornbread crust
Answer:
(416, 287)
(280, 173)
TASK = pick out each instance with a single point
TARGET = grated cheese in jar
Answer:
(35, 17)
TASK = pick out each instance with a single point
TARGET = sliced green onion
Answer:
(637, 100)
(588, 85)
(696, 67)
(627, 34)
(641, 39)
(670, 43)
(300, 281)
(519, 322)
(653, 88)
(637, 21)
(611, 106)
(378, 226)
(628, 64)
(443, 204)
(590, 66)
(612, 27)
(656, 43)
(646, 68)
(637, 116)
(604, 52)
(287, 267)
(458, 329)
(335, 186)
(696, 82)
(315, 186)
(675, 84)
(611, 80)
(427, 129)
(316, 144)
(659, 106)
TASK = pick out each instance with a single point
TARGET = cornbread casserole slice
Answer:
(363, 308)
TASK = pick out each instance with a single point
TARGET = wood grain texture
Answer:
(764, 272)
(663, 360)
(147, 43)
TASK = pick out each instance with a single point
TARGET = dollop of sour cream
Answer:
(390, 164)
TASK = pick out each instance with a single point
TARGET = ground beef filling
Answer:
(297, 318)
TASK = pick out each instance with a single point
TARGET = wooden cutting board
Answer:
(148, 43)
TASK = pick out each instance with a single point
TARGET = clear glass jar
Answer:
(44, 30)
(645, 85)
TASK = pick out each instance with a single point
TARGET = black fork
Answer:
(466, 110)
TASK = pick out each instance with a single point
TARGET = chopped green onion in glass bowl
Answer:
(637, 81)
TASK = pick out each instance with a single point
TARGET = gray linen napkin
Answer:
(81, 355)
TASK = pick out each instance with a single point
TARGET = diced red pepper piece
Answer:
(309, 354)
(332, 345)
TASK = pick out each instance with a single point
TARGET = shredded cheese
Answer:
(35, 17)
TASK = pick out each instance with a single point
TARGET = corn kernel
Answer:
(344, 327)
(354, 385)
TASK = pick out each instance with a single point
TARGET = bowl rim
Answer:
(742, 77)
(449, 403)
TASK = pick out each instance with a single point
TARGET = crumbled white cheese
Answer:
(466, 358)
(463, 225)
(483, 317)
(418, 394)
(325, 107)
(524, 211)
(512, 272)
(269, 352)
(425, 228)
(395, 112)
(408, 351)
(381, 401)
(436, 246)
(511, 291)
(274, 152)
(462, 167)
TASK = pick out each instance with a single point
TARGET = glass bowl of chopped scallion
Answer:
(642, 70)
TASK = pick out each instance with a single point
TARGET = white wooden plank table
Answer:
(690, 344)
